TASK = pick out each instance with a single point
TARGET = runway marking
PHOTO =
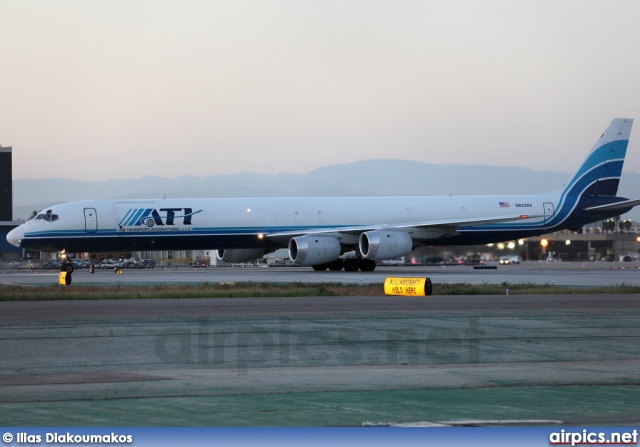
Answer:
(327, 313)
(74, 378)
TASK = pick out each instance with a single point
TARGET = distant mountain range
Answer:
(363, 178)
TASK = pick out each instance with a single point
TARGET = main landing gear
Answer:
(350, 265)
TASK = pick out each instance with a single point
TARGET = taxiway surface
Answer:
(322, 361)
(559, 273)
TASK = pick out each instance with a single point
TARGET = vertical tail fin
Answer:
(599, 174)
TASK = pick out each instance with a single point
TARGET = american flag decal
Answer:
(504, 204)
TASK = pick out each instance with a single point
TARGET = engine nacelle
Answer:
(240, 254)
(313, 250)
(379, 245)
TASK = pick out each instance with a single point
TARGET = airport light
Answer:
(544, 244)
(567, 242)
(511, 245)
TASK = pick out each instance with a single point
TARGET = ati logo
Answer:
(151, 217)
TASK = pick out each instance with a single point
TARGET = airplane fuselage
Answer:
(185, 224)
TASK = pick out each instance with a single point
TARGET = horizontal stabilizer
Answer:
(614, 206)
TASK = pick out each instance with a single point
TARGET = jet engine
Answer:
(313, 250)
(379, 245)
(240, 255)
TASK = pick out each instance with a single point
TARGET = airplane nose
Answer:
(14, 237)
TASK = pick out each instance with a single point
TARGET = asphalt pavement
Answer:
(322, 361)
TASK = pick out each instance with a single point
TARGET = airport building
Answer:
(592, 244)
(8, 252)
(561, 246)
(6, 180)
(569, 246)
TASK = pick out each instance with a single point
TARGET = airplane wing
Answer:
(614, 206)
(418, 230)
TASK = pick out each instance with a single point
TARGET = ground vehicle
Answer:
(397, 261)
(473, 260)
(630, 257)
(149, 263)
(510, 259)
(107, 264)
(79, 264)
(200, 264)
(52, 265)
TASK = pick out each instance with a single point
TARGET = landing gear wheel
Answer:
(352, 265)
(336, 265)
(367, 265)
(320, 267)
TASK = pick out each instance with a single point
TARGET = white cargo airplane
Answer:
(318, 231)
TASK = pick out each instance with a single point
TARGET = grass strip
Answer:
(296, 289)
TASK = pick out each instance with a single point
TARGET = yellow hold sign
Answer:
(64, 279)
(407, 286)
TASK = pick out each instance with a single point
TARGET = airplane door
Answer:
(548, 213)
(90, 220)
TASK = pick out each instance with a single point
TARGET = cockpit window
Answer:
(49, 216)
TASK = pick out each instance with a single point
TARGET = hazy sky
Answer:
(99, 90)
